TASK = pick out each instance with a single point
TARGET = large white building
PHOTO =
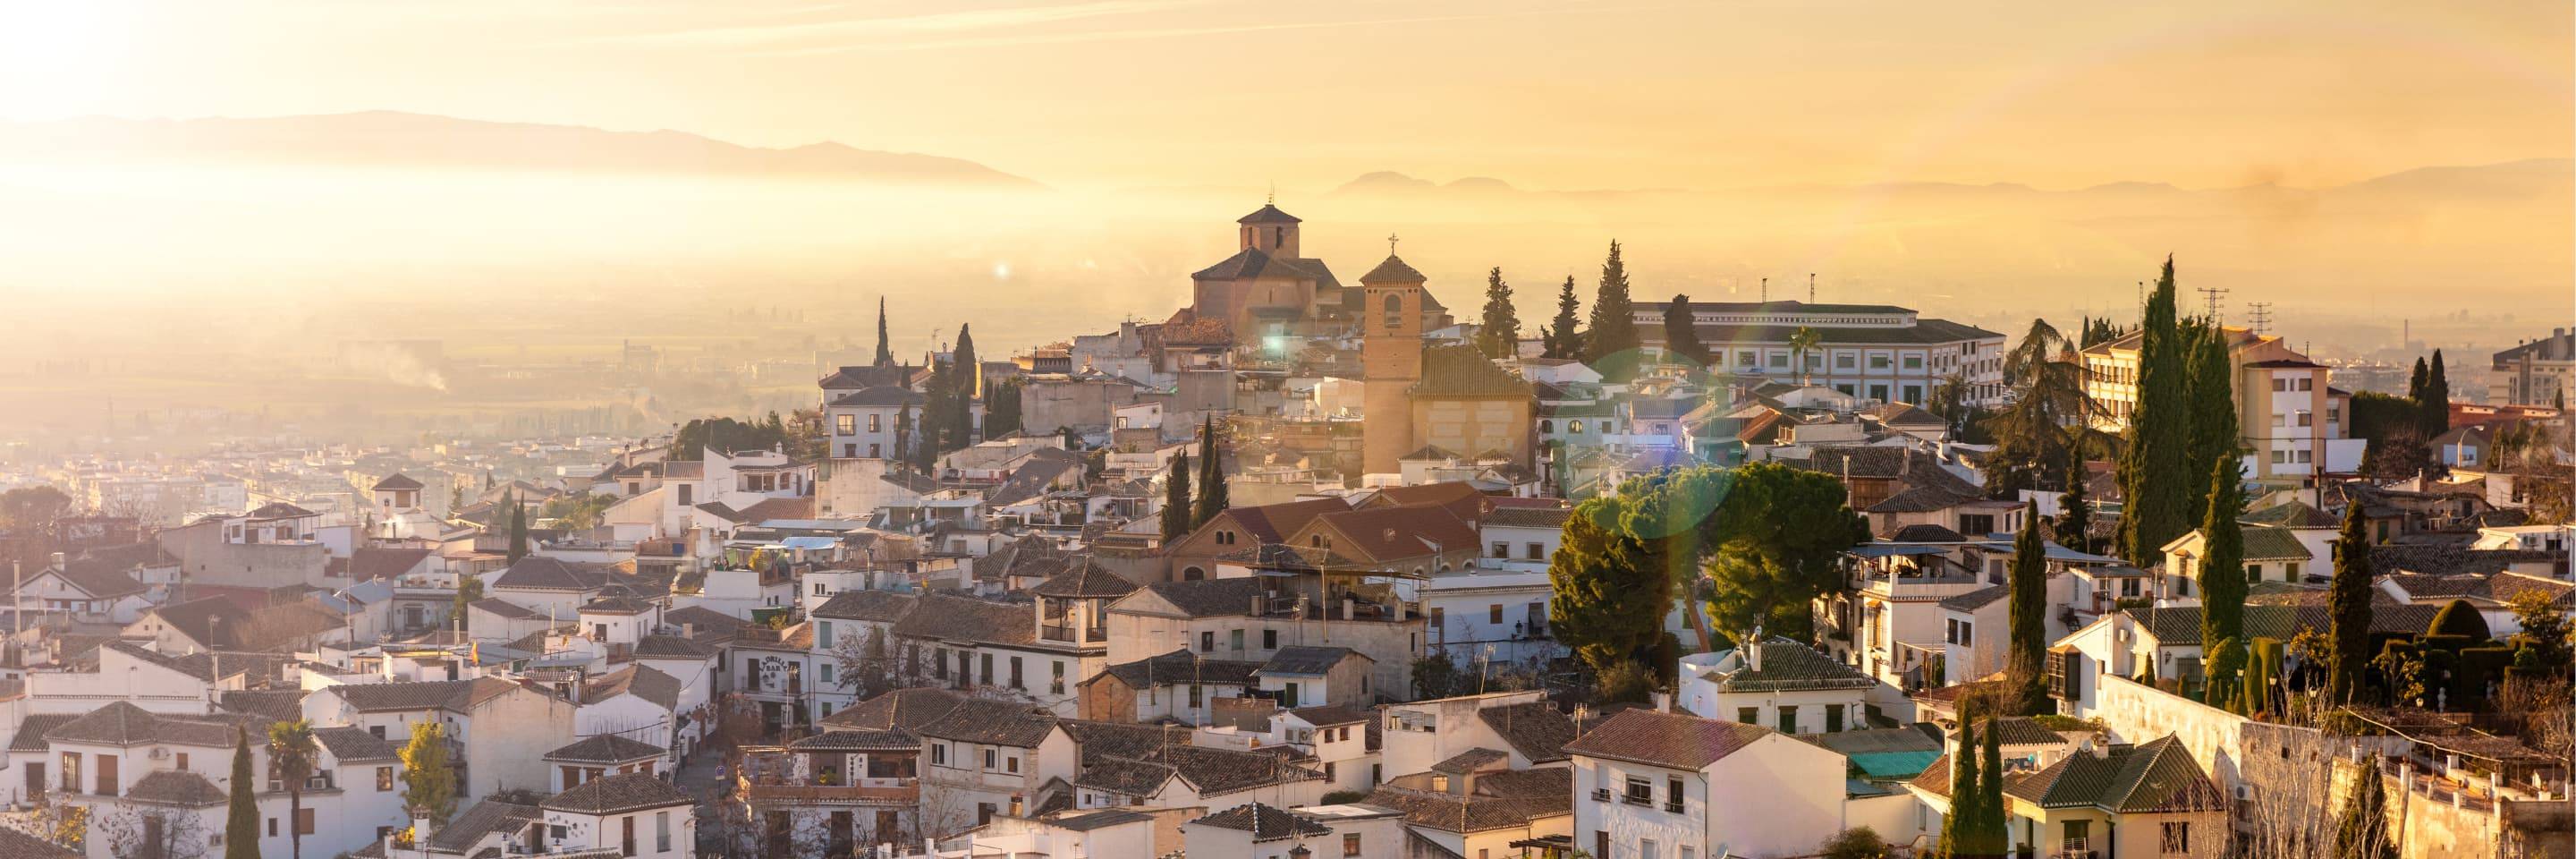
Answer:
(1876, 352)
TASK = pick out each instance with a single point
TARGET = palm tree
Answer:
(292, 754)
(1801, 342)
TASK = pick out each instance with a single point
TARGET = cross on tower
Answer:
(1390, 244)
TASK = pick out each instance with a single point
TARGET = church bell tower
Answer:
(1390, 360)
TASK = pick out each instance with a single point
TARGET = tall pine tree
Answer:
(1212, 498)
(518, 528)
(2214, 432)
(1681, 333)
(2348, 607)
(1612, 339)
(1176, 500)
(1993, 827)
(885, 347)
(1500, 334)
(2027, 657)
(1560, 339)
(932, 431)
(967, 378)
(241, 820)
(2222, 557)
(2155, 474)
(2436, 401)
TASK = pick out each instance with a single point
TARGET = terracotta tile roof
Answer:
(1181, 667)
(20, 845)
(907, 709)
(1267, 214)
(947, 617)
(867, 605)
(1085, 579)
(354, 745)
(860, 740)
(1665, 739)
(1264, 822)
(1392, 270)
(1536, 729)
(1463, 371)
(175, 787)
(616, 793)
(1307, 660)
(1209, 597)
(605, 749)
(990, 722)
(1272, 523)
(397, 480)
(639, 680)
(2159, 776)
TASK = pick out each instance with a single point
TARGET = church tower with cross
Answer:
(1390, 321)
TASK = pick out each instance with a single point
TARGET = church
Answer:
(1269, 289)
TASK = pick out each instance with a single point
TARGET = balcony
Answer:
(1066, 634)
(891, 792)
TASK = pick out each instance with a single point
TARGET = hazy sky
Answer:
(1544, 93)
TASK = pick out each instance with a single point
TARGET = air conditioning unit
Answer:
(158, 753)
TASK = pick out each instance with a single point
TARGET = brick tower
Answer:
(1390, 360)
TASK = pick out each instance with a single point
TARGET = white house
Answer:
(1654, 784)
(1782, 684)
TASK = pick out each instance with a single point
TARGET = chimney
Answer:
(59, 562)
(1663, 701)
(1753, 650)
(420, 831)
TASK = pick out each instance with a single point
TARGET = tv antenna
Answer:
(2258, 316)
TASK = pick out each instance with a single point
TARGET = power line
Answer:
(2209, 300)
(2258, 315)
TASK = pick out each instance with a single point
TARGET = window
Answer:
(827, 672)
(272, 827)
(2280, 384)
(2290, 571)
(1913, 362)
(1056, 684)
(1878, 362)
(1537, 551)
(1502, 549)
(2177, 838)
(626, 836)
(939, 753)
(1350, 844)
(1439, 619)
(876, 423)
(1640, 791)
(662, 831)
(1673, 790)
(1207, 642)
(1546, 426)
(1011, 764)
(989, 757)
(1646, 848)
(1748, 715)
(1235, 637)
(1833, 718)
(1845, 361)
(822, 629)
(1194, 696)
(2078, 835)
(845, 424)
(1015, 674)
(1788, 720)
(986, 661)
(183, 760)
(384, 779)
(1745, 359)
(304, 821)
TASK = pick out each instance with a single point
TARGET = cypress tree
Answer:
(2214, 431)
(2362, 831)
(1681, 334)
(1176, 500)
(2155, 477)
(241, 821)
(2415, 382)
(1212, 498)
(2437, 399)
(1614, 320)
(1560, 339)
(903, 434)
(1958, 828)
(1500, 334)
(885, 349)
(1993, 831)
(966, 377)
(2222, 558)
(2026, 662)
(518, 528)
(2348, 607)
(2223, 679)
(933, 427)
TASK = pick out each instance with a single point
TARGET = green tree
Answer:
(1001, 408)
(293, 755)
(967, 375)
(428, 781)
(1958, 828)
(2214, 432)
(241, 821)
(469, 589)
(2348, 607)
(1611, 343)
(2222, 557)
(1681, 333)
(1778, 531)
(2547, 643)
(931, 431)
(1993, 828)
(2224, 676)
(1604, 603)
(1500, 334)
(885, 348)
(2362, 830)
(903, 437)
(2155, 472)
(1212, 494)
(2074, 525)
(518, 528)
(2039, 430)
(2027, 661)
(2436, 399)
(2415, 386)
(1859, 842)
(1802, 343)
(1176, 500)
(1561, 339)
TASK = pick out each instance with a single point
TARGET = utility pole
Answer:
(2258, 316)
(2209, 301)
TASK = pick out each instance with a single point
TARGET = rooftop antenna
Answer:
(1811, 287)
(1273, 198)
(1766, 290)
(2258, 315)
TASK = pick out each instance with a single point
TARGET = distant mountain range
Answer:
(395, 139)
(2533, 178)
